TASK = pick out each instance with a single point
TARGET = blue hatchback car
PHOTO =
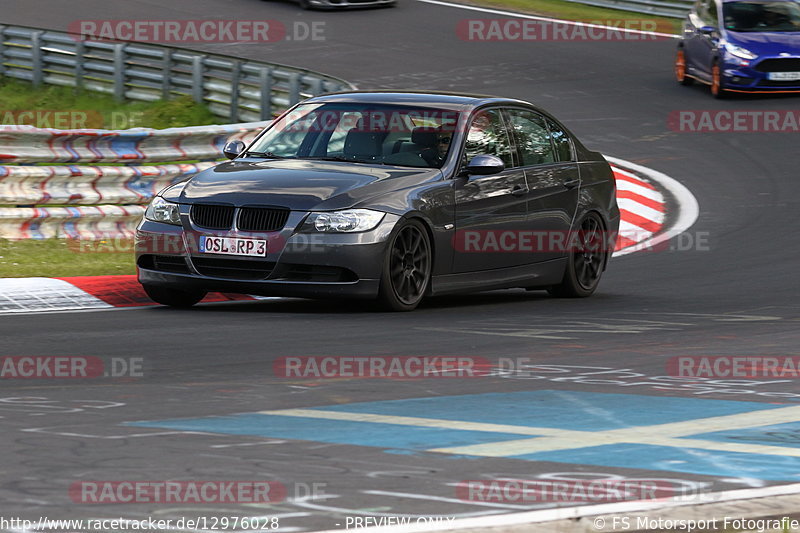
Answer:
(741, 46)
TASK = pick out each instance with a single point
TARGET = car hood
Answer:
(300, 185)
(767, 43)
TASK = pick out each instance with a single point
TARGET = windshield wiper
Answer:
(345, 159)
(268, 154)
(332, 158)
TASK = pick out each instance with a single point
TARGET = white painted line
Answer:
(687, 207)
(658, 435)
(564, 513)
(417, 422)
(547, 19)
(431, 497)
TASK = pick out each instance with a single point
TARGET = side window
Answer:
(707, 12)
(533, 139)
(487, 135)
(560, 141)
(347, 121)
(712, 13)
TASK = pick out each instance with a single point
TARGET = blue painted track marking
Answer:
(714, 437)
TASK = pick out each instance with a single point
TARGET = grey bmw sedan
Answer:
(392, 196)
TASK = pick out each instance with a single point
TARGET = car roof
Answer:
(444, 100)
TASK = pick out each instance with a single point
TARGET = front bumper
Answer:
(749, 78)
(308, 265)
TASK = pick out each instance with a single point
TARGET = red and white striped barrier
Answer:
(108, 200)
(78, 222)
(86, 185)
(27, 144)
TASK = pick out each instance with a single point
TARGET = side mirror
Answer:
(233, 149)
(484, 165)
(707, 30)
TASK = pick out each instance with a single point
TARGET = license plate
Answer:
(783, 76)
(233, 246)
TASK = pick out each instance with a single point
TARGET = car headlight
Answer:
(740, 52)
(161, 210)
(347, 221)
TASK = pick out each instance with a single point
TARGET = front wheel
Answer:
(585, 263)
(173, 297)
(406, 272)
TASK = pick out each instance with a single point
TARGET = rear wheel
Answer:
(173, 297)
(717, 84)
(585, 263)
(406, 272)
(680, 68)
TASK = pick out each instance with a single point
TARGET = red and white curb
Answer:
(645, 197)
(653, 208)
(25, 295)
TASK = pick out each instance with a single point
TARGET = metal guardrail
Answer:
(235, 89)
(664, 8)
(81, 201)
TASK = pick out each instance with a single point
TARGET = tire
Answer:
(585, 264)
(173, 297)
(407, 265)
(680, 68)
(305, 4)
(717, 84)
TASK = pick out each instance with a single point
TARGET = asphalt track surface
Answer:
(734, 294)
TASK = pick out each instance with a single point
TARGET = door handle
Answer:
(571, 184)
(518, 191)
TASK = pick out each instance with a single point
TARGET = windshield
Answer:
(761, 16)
(362, 133)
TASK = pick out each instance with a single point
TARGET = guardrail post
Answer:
(2, 49)
(119, 72)
(294, 88)
(37, 74)
(265, 86)
(197, 79)
(80, 52)
(166, 74)
(236, 74)
(316, 86)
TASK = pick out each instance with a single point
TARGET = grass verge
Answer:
(65, 257)
(51, 106)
